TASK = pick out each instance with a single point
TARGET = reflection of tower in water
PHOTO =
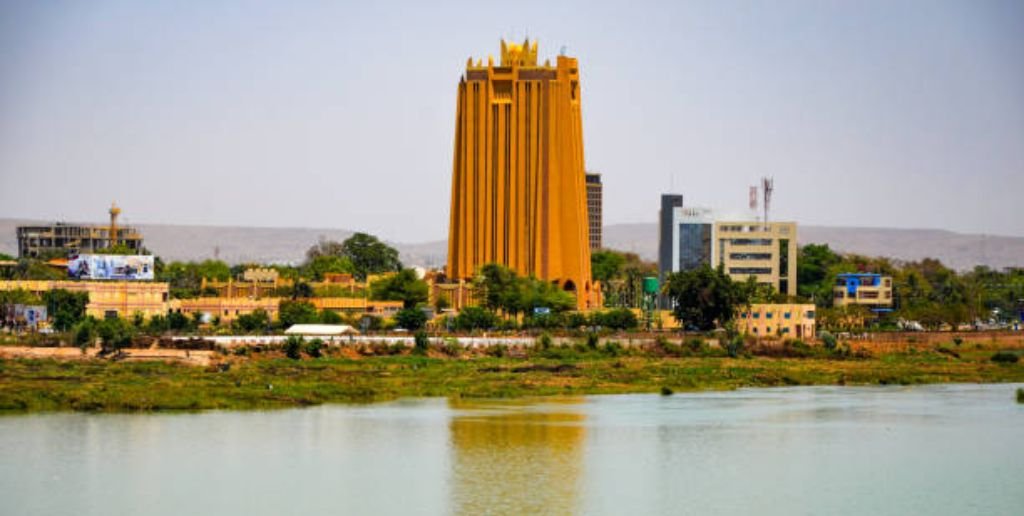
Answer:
(510, 459)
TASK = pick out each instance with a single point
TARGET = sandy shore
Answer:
(197, 358)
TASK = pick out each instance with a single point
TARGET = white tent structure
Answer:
(320, 330)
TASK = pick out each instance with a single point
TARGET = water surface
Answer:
(952, 449)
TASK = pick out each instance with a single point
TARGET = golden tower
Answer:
(518, 182)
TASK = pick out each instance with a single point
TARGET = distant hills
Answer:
(288, 245)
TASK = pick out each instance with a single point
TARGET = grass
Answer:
(269, 380)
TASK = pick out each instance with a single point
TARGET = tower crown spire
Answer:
(519, 54)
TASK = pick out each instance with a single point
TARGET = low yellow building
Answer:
(226, 308)
(795, 321)
(106, 298)
(867, 289)
(357, 305)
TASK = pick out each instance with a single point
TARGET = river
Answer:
(944, 449)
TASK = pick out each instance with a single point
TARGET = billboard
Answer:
(111, 267)
(29, 315)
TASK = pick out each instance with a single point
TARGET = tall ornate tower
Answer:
(518, 183)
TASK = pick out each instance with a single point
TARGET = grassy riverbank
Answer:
(272, 381)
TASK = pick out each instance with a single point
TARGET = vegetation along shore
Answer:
(301, 373)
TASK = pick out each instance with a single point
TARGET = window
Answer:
(750, 256)
(810, 314)
(768, 315)
(751, 241)
(757, 315)
(750, 270)
(788, 315)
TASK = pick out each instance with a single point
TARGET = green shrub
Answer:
(544, 341)
(576, 320)
(411, 319)
(665, 391)
(475, 318)
(616, 319)
(958, 340)
(1020, 395)
(293, 347)
(452, 348)
(696, 344)
(1005, 357)
(420, 343)
(495, 351)
(734, 346)
(115, 334)
(315, 348)
(613, 349)
(592, 341)
(829, 341)
(85, 333)
(330, 317)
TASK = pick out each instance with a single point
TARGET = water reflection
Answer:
(516, 457)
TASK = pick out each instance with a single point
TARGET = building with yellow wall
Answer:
(767, 252)
(106, 298)
(795, 321)
(867, 289)
(227, 309)
(518, 182)
(357, 305)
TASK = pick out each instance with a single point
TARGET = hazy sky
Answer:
(338, 114)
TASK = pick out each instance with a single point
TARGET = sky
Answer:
(897, 113)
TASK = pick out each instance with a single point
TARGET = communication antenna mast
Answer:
(767, 187)
(753, 200)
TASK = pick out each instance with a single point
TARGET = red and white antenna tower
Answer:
(767, 187)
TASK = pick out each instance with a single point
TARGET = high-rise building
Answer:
(518, 187)
(666, 229)
(766, 251)
(690, 237)
(594, 193)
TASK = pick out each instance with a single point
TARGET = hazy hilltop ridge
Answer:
(288, 245)
(957, 250)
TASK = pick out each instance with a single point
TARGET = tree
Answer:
(369, 255)
(625, 287)
(503, 290)
(704, 297)
(411, 318)
(178, 321)
(121, 249)
(315, 348)
(115, 334)
(606, 265)
(320, 265)
(257, 320)
(475, 318)
(185, 278)
(293, 347)
(616, 319)
(442, 302)
(814, 280)
(403, 286)
(302, 290)
(330, 317)
(297, 312)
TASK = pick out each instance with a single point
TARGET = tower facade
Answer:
(519, 196)
(595, 192)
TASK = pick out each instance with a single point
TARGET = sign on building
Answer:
(111, 267)
(30, 315)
